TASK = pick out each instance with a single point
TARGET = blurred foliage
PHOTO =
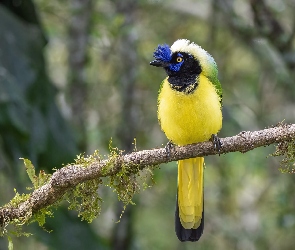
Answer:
(249, 204)
(31, 125)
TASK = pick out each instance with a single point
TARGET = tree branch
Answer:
(71, 175)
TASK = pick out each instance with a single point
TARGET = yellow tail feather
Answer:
(190, 192)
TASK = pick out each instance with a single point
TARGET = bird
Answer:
(189, 111)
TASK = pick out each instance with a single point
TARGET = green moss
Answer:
(126, 183)
(86, 161)
(17, 223)
(286, 149)
(17, 199)
(130, 181)
(28, 218)
(10, 243)
(40, 216)
(84, 198)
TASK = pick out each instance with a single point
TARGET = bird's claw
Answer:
(216, 142)
(168, 148)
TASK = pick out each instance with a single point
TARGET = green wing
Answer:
(217, 85)
(211, 72)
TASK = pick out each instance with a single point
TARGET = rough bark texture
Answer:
(69, 176)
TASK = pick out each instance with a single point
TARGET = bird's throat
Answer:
(185, 83)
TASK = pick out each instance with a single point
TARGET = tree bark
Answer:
(71, 175)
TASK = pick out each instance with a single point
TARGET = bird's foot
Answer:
(168, 148)
(216, 142)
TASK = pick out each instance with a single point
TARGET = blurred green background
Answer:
(75, 73)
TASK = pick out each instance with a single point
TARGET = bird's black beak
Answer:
(159, 63)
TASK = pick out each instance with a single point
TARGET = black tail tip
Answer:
(187, 234)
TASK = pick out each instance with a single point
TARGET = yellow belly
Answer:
(190, 118)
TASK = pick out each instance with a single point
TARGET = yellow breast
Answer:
(189, 118)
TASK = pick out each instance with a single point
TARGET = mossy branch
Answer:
(93, 168)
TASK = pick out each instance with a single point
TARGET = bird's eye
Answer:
(179, 59)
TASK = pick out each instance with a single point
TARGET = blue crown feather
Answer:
(163, 53)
